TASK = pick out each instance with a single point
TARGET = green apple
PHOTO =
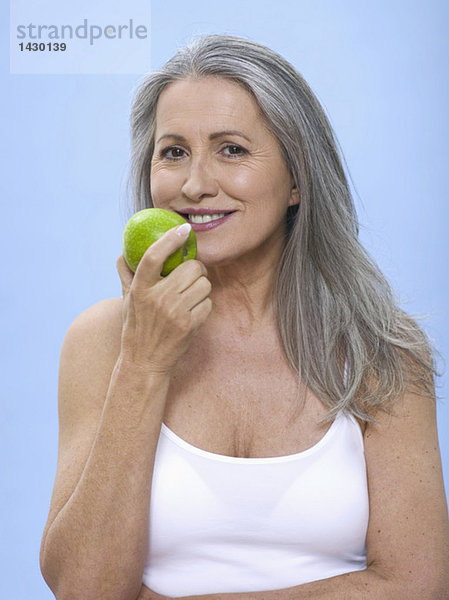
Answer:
(147, 226)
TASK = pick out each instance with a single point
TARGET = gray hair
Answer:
(340, 326)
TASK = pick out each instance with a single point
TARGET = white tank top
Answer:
(227, 524)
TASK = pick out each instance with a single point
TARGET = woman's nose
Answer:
(199, 183)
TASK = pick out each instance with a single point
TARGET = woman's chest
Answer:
(242, 400)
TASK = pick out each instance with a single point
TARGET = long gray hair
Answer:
(341, 329)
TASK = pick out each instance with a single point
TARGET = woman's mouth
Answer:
(204, 219)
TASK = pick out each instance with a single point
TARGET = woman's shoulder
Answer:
(104, 317)
(94, 335)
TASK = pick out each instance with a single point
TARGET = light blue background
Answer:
(379, 68)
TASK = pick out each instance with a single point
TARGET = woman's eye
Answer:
(233, 150)
(173, 153)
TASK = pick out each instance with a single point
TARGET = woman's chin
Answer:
(213, 260)
(212, 257)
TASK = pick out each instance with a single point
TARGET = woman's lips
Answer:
(208, 224)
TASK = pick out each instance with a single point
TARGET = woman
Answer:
(261, 422)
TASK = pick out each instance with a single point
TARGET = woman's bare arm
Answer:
(114, 377)
(95, 538)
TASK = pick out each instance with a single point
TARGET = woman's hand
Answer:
(161, 314)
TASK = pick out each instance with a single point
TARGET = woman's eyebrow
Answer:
(218, 134)
(173, 136)
(213, 136)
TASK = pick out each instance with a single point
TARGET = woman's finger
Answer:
(196, 293)
(200, 312)
(149, 270)
(125, 274)
(185, 275)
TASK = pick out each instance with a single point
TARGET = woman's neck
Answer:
(242, 293)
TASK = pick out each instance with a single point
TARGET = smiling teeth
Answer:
(205, 218)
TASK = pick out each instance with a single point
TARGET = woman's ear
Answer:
(294, 196)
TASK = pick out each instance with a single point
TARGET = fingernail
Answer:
(183, 229)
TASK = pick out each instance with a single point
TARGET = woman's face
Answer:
(216, 163)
